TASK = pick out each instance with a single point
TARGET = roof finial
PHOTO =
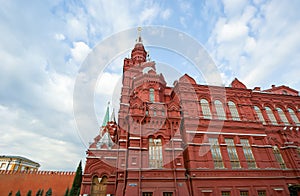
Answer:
(139, 35)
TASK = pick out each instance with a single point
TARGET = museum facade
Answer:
(193, 139)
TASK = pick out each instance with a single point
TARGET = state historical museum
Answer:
(193, 139)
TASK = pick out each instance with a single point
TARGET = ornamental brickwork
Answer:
(193, 139)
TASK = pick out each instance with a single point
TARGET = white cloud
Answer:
(107, 83)
(149, 14)
(166, 14)
(79, 51)
(234, 8)
(59, 36)
(232, 31)
(255, 43)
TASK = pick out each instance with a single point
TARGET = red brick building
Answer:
(193, 139)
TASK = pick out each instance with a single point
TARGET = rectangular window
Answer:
(147, 193)
(234, 159)
(3, 165)
(278, 157)
(248, 153)
(167, 194)
(216, 152)
(244, 193)
(151, 95)
(133, 162)
(261, 193)
(225, 193)
(155, 153)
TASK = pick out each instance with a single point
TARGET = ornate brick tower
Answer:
(193, 139)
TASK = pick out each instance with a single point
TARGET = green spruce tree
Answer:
(75, 190)
(67, 192)
(18, 193)
(49, 192)
(29, 193)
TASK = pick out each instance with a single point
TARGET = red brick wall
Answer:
(24, 181)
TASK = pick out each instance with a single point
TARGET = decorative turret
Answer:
(139, 54)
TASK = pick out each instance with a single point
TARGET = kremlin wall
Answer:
(24, 181)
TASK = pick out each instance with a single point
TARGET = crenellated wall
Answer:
(24, 181)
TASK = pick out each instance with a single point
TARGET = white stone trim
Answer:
(134, 138)
(224, 133)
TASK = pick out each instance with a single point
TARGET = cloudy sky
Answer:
(44, 43)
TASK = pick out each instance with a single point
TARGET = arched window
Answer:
(233, 111)
(99, 186)
(282, 116)
(220, 110)
(151, 95)
(205, 108)
(155, 153)
(259, 114)
(293, 116)
(271, 116)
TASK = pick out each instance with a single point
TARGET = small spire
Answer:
(139, 40)
(112, 117)
(106, 117)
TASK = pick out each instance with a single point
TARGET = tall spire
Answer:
(106, 117)
(139, 40)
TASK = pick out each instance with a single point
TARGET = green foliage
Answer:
(75, 190)
(40, 192)
(49, 192)
(10, 193)
(67, 192)
(18, 193)
(29, 193)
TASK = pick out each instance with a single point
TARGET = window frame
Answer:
(233, 111)
(155, 155)
(220, 110)
(205, 108)
(271, 115)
